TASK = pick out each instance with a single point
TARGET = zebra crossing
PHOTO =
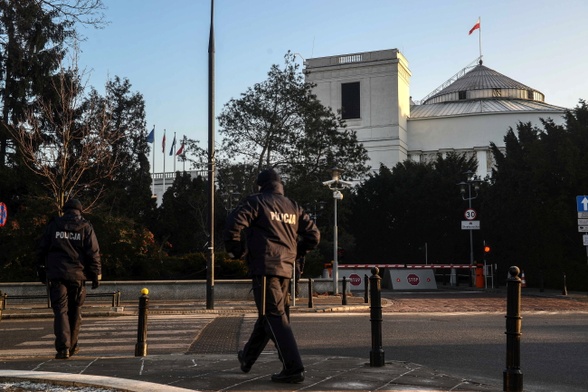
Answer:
(166, 334)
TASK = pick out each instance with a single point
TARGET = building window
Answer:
(496, 92)
(530, 94)
(461, 95)
(350, 102)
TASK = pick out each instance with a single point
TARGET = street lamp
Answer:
(472, 181)
(336, 185)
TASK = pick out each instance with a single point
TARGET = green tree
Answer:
(128, 191)
(281, 123)
(394, 213)
(532, 199)
(33, 37)
(182, 222)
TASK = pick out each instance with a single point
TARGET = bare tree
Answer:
(66, 140)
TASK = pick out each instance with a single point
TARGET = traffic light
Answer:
(486, 249)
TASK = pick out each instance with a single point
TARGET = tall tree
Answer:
(126, 117)
(398, 213)
(281, 123)
(63, 140)
(531, 202)
(33, 38)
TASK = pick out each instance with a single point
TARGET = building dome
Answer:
(479, 89)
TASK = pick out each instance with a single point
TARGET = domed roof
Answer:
(478, 89)
(483, 82)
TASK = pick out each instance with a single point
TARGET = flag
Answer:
(173, 145)
(151, 136)
(163, 143)
(181, 149)
(476, 26)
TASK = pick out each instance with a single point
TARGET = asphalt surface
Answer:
(201, 369)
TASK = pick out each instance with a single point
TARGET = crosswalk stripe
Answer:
(116, 336)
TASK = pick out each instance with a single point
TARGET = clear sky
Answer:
(161, 46)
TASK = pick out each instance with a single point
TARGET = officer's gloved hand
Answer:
(96, 282)
(234, 249)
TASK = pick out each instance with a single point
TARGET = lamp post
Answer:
(336, 185)
(472, 181)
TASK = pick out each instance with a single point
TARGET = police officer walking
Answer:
(278, 232)
(68, 255)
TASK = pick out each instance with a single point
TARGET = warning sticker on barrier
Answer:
(410, 279)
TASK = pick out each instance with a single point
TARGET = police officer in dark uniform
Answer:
(278, 232)
(68, 256)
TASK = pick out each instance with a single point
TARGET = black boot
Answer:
(288, 377)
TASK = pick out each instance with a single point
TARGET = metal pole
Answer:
(141, 346)
(310, 290)
(471, 236)
(512, 375)
(365, 288)
(377, 352)
(344, 293)
(211, 165)
(335, 250)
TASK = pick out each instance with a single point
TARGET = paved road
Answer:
(470, 344)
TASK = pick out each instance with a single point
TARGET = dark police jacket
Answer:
(277, 231)
(69, 249)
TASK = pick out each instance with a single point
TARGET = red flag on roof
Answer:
(476, 26)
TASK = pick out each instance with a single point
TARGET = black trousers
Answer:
(274, 324)
(67, 299)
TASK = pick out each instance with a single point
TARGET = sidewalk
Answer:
(216, 372)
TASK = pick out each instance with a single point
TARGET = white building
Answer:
(473, 109)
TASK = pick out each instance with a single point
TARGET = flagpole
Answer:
(480, 37)
(174, 152)
(163, 150)
(153, 166)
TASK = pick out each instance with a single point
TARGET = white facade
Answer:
(384, 81)
(465, 117)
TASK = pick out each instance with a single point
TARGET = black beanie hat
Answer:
(266, 176)
(73, 204)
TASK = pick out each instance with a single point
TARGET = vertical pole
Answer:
(335, 250)
(344, 293)
(377, 352)
(564, 291)
(293, 285)
(141, 346)
(365, 288)
(310, 291)
(512, 375)
(211, 166)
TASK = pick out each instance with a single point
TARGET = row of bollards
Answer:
(512, 375)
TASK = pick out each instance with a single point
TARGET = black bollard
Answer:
(377, 352)
(344, 295)
(512, 375)
(310, 291)
(141, 346)
(365, 288)
(565, 287)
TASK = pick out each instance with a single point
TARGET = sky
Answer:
(161, 47)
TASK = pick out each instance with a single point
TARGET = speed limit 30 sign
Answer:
(470, 214)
